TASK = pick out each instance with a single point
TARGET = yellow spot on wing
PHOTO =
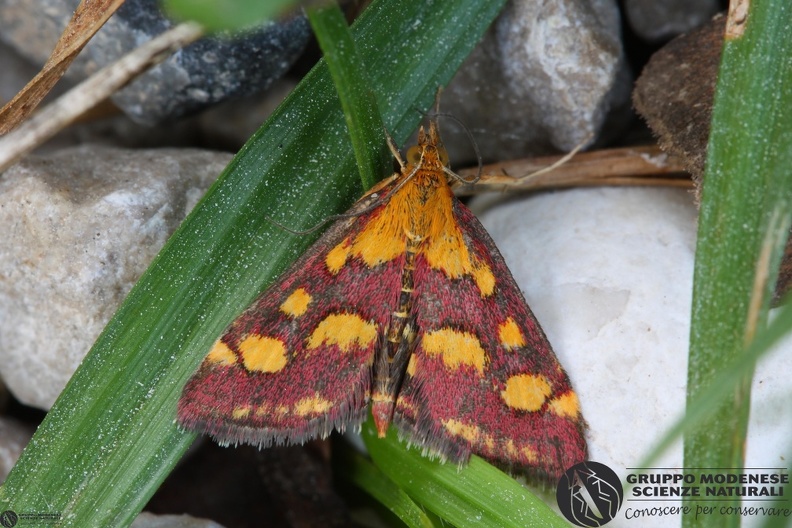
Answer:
(484, 279)
(447, 251)
(384, 237)
(457, 348)
(488, 444)
(221, 354)
(471, 433)
(344, 330)
(263, 354)
(566, 405)
(529, 453)
(240, 412)
(314, 405)
(511, 449)
(337, 257)
(526, 392)
(412, 364)
(510, 334)
(297, 303)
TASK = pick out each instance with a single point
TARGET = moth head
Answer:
(429, 149)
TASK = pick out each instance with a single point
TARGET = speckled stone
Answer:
(547, 76)
(202, 74)
(80, 226)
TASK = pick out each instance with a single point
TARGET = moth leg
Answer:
(394, 150)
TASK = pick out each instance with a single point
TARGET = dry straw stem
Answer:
(86, 21)
(92, 91)
(646, 165)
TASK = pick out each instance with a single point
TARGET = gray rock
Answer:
(225, 126)
(654, 20)
(204, 73)
(80, 226)
(546, 76)
(14, 436)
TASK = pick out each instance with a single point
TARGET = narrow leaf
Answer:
(361, 472)
(360, 107)
(475, 495)
(745, 206)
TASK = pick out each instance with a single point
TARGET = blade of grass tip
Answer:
(475, 495)
(362, 473)
(360, 108)
(111, 438)
(746, 194)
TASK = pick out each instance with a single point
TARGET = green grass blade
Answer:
(368, 477)
(476, 495)
(228, 15)
(110, 439)
(360, 108)
(745, 213)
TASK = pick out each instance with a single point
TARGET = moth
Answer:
(406, 304)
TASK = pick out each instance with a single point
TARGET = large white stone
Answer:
(608, 273)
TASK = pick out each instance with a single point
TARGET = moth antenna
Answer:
(394, 149)
(479, 159)
(298, 232)
(435, 107)
(438, 93)
(332, 218)
(399, 186)
(568, 156)
(370, 207)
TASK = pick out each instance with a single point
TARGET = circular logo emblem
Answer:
(8, 519)
(589, 494)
